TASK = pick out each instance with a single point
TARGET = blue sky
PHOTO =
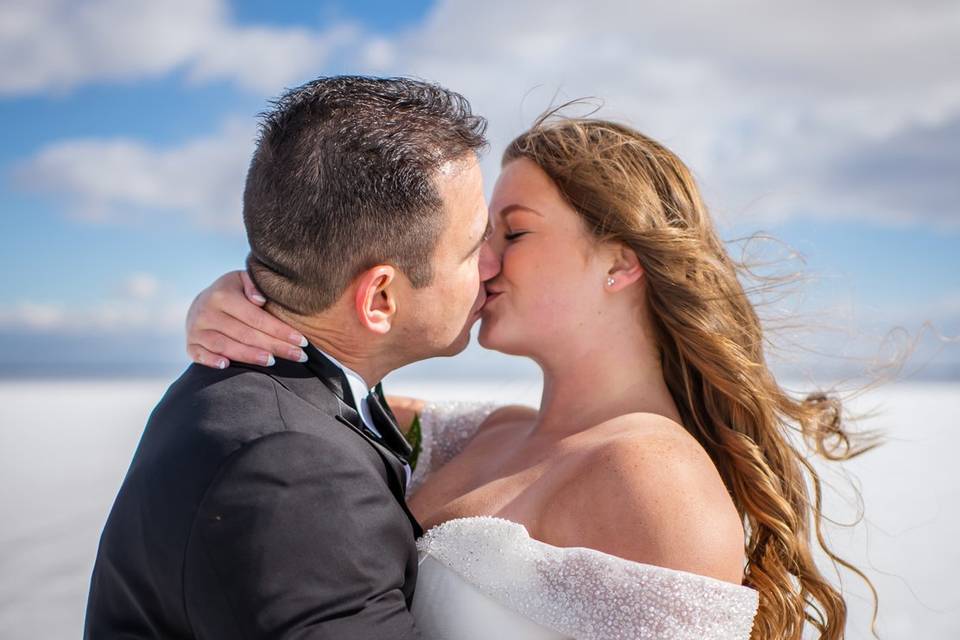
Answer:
(127, 127)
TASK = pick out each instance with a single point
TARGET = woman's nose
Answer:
(489, 262)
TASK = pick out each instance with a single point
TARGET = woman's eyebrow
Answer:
(510, 208)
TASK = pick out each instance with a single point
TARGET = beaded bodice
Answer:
(445, 429)
(483, 577)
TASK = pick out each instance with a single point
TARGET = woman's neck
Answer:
(582, 390)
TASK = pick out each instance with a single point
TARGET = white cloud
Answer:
(140, 286)
(33, 315)
(912, 175)
(125, 180)
(51, 46)
(779, 109)
(141, 302)
(760, 99)
(265, 60)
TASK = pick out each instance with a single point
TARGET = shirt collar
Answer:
(358, 387)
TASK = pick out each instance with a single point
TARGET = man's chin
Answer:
(460, 344)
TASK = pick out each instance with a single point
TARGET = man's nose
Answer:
(489, 262)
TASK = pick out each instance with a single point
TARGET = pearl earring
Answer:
(610, 282)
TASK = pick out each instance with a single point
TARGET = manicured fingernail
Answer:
(258, 298)
(221, 364)
(268, 360)
(299, 355)
(299, 339)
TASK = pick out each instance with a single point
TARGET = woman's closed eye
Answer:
(513, 236)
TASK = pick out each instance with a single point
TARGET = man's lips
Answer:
(479, 307)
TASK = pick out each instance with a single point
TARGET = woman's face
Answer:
(550, 290)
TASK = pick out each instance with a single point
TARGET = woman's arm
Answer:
(226, 322)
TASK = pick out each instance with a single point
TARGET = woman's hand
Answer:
(225, 322)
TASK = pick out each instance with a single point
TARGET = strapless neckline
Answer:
(510, 530)
(582, 592)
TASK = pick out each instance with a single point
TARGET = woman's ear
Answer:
(375, 303)
(625, 268)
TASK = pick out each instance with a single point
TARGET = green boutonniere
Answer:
(414, 437)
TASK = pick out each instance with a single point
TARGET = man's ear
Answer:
(625, 268)
(375, 303)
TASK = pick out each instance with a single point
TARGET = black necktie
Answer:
(385, 423)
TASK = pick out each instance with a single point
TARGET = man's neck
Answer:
(363, 365)
(327, 334)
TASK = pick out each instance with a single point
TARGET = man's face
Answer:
(442, 314)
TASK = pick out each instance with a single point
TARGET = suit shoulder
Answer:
(209, 412)
(235, 398)
(212, 385)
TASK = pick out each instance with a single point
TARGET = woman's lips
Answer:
(490, 298)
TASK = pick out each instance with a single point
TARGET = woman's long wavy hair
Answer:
(631, 189)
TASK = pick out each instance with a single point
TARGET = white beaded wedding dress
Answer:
(484, 577)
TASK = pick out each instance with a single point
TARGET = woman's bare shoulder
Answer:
(649, 492)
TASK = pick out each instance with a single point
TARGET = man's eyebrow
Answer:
(510, 208)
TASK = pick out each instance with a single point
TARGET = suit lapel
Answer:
(386, 424)
(398, 473)
(302, 380)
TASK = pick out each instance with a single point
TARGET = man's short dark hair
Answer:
(344, 178)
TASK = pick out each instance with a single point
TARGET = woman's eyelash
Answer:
(514, 236)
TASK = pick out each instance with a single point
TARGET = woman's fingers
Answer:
(233, 339)
(226, 348)
(251, 291)
(201, 356)
(240, 308)
(224, 323)
(210, 300)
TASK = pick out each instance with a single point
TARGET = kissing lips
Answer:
(478, 308)
(490, 297)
